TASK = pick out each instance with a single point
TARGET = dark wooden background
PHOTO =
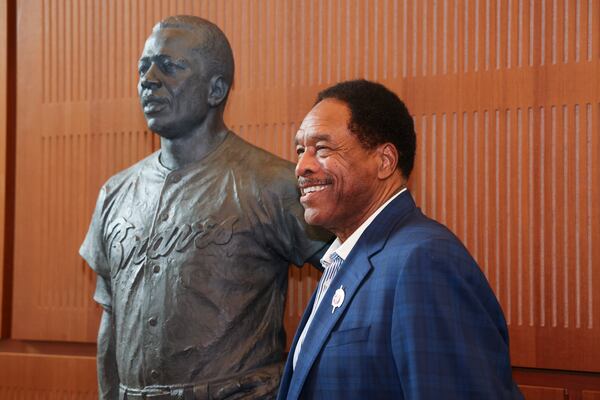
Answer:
(506, 99)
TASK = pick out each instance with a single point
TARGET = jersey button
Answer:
(164, 216)
(156, 268)
(152, 321)
(154, 374)
(175, 177)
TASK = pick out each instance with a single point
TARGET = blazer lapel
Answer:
(288, 370)
(351, 274)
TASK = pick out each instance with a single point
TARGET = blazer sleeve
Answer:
(449, 336)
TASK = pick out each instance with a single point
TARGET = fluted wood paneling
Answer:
(3, 148)
(506, 100)
(522, 198)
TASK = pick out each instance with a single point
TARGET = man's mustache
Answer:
(150, 98)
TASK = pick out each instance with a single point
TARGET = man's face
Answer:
(173, 84)
(337, 176)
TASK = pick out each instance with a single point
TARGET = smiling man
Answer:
(402, 310)
(192, 244)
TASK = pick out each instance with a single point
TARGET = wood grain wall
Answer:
(505, 96)
(3, 138)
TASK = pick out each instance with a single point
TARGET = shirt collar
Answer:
(344, 249)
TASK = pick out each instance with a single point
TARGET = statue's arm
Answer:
(93, 252)
(315, 259)
(302, 243)
(108, 377)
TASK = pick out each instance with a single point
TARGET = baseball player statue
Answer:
(191, 245)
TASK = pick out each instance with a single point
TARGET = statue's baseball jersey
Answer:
(192, 263)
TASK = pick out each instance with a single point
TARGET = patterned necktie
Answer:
(328, 275)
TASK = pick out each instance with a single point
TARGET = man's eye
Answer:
(170, 67)
(299, 150)
(321, 150)
(142, 69)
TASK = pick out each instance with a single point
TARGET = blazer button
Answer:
(152, 321)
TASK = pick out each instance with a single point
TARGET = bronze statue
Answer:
(191, 245)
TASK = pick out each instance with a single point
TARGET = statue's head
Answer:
(185, 73)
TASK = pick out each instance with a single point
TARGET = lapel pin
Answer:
(338, 298)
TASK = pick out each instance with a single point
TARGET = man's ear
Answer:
(388, 157)
(218, 90)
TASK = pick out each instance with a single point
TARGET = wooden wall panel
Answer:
(506, 100)
(3, 137)
(47, 377)
(508, 159)
(590, 395)
(543, 393)
(542, 384)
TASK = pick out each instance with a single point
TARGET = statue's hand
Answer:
(258, 385)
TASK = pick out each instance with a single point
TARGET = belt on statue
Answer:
(210, 390)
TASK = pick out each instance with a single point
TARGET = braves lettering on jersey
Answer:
(192, 263)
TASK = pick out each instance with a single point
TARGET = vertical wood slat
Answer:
(3, 148)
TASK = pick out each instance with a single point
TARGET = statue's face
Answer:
(173, 84)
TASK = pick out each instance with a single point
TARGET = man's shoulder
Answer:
(424, 250)
(251, 154)
(125, 175)
(260, 166)
(421, 235)
(420, 228)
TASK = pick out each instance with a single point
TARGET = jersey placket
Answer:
(154, 286)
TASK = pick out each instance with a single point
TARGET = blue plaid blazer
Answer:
(418, 321)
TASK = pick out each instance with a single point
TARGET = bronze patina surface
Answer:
(192, 244)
